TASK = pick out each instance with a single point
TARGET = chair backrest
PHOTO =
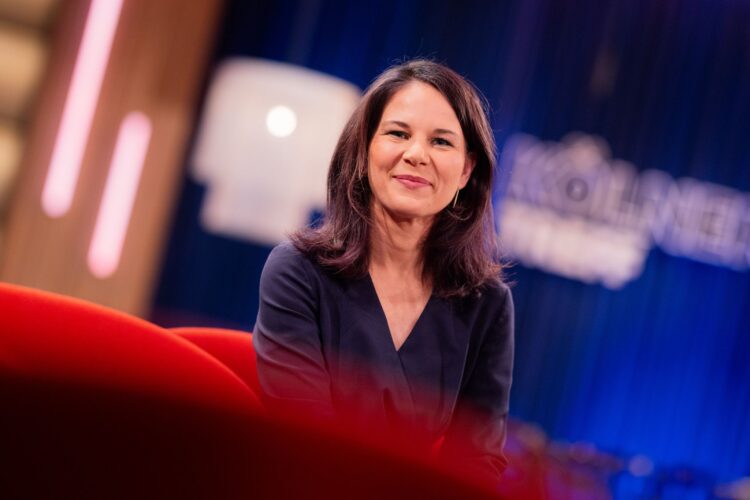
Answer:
(53, 337)
(94, 400)
(233, 348)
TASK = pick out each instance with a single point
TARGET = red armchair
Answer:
(96, 403)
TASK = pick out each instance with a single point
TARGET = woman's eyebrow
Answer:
(396, 122)
(444, 131)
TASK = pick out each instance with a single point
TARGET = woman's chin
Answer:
(407, 211)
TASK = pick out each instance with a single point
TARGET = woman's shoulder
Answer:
(501, 298)
(490, 313)
(288, 273)
(493, 296)
(497, 291)
(286, 253)
(286, 259)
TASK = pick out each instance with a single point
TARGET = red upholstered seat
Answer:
(52, 337)
(99, 404)
(232, 347)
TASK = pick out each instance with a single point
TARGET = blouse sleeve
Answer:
(477, 432)
(291, 366)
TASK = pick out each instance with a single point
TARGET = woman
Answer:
(393, 312)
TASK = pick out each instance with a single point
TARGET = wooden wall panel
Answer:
(22, 59)
(157, 66)
(36, 13)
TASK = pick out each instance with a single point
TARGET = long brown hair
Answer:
(460, 250)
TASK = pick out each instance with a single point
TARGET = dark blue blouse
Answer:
(323, 345)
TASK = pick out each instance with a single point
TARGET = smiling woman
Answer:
(393, 312)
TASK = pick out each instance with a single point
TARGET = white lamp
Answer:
(264, 144)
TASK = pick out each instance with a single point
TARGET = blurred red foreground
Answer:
(97, 403)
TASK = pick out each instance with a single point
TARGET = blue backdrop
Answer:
(660, 367)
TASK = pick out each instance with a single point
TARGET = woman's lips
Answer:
(411, 181)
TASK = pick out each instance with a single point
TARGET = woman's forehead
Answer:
(418, 103)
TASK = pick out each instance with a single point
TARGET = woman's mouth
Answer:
(412, 182)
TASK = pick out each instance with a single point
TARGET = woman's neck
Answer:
(396, 245)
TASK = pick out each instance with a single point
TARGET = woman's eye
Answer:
(442, 142)
(397, 133)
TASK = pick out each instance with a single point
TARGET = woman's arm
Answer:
(476, 435)
(291, 366)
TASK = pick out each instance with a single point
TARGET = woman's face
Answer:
(417, 157)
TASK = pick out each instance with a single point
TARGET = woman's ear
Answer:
(471, 161)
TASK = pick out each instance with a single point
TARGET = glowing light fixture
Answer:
(80, 104)
(281, 121)
(263, 145)
(119, 194)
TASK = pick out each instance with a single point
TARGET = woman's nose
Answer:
(415, 153)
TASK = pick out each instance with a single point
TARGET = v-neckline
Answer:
(384, 317)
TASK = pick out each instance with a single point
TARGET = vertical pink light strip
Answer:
(119, 194)
(80, 104)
